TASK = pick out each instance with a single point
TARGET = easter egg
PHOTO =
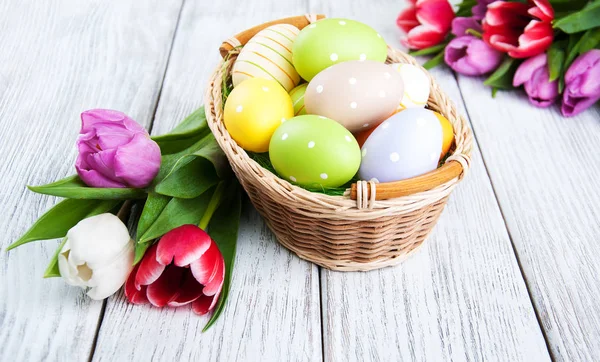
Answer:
(331, 41)
(297, 95)
(406, 145)
(314, 151)
(447, 133)
(416, 85)
(253, 110)
(268, 55)
(356, 94)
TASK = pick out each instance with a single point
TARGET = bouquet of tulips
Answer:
(551, 47)
(188, 208)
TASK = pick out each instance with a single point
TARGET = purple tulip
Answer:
(470, 55)
(461, 25)
(480, 9)
(582, 86)
(533, 73)
(115, 151)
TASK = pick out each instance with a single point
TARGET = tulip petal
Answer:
(135, 294)
(527, 68)
(542, 93)
(166, 288)
(94, 178)
(150, 268)
(108, 279)
(92, 117)
(435, 14)
(137, 162)
(209, 270)
(422, 37)
(407, 19)
(542, 10)
(205, 304)
(183, 245)
(507, 14)
(112, 136)
(190, 291)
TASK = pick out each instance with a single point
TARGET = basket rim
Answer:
(367, 206)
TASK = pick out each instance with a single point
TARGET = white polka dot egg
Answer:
(315, 152)
(356, 94)
(416, 85)
(406, 145)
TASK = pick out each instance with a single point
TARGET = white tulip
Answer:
(98, 254)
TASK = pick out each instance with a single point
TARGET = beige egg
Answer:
(268, 55)
(356, 94)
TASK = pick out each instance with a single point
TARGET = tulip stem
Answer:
(474, 33)
(212, 205)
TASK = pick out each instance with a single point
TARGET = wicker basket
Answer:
(373, 225)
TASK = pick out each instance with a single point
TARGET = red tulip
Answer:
(426, 22)
(184, 267)
(519, 29)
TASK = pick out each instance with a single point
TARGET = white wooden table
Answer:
(511, 272)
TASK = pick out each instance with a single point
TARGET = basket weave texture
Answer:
(337, 232)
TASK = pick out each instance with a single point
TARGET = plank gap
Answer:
(510, 237)
(152, 117)
(164, 75)
(98, 326)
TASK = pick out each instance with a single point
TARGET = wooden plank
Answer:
(273, 310)
(545, 170)
(461, 297)
(58, 59)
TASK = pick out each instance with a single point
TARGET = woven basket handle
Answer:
(243, 37)
(391, 190)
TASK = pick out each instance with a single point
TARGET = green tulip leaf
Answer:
(428, 51)
(58, 220)
(464, 8)
(435, 61)
(223, 229)
(72, 187)
(52, 270)
(556, 59)
(140, 251)
(584, 19)
(563, 8)
(190, 180)
(502, 78)
(154, 205)
(188, 132)
(177, 212)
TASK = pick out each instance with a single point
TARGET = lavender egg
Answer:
(406, 145)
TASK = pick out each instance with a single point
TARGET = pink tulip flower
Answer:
(115, 151)
(426, 22)
(582, 82)
(533, 73)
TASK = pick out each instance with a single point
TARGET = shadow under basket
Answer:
(372, 225)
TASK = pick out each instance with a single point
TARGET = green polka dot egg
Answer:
(314, 151)
(331, 41)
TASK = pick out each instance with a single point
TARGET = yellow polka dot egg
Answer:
(253, 111)
(268, 55)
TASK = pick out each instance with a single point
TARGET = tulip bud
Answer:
(533, 73)
(582, 88)
(470, 55)
(98, 254)
(426, 22)
(115, 151)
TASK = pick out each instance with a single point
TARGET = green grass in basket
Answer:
(263, 160)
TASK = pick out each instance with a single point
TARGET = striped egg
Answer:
(297, 95)
(268, 55)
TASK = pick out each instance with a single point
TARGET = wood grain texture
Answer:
(460, 298)
(59, 58)
(546, 171)
(273, 311)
